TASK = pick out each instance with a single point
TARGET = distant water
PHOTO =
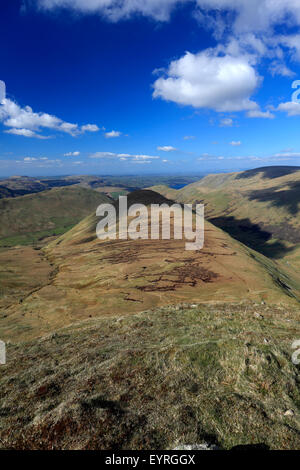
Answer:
(178, 186)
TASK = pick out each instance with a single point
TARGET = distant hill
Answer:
(113, 186)
(93, 278)
(21, 185)
(26, 219)
(259, 207)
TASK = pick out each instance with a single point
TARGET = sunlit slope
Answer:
(258, 207)
(93, 278)
(26, 219)
(217, 374)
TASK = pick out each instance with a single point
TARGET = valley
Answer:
(216, 324)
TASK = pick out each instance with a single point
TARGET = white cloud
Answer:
(26, 133)
(72, 154)
(104, 155)
(2, 91)
(256, 15)
(125, 157)
(226, 122)
(292, 42)
(207, 156)
(257, 113)
(224, 78)
(287, 155)
(278, 157)
(250, 15)
(291, 108)
(167, 148)
(25, 122)
(41, 162)
(90, 128)
(279, 68)
(235, 144)
(209, 80)
(112, 134)
(253, 22)
(115, 10)
(189, 137)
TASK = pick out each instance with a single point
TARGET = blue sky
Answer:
(129, 86)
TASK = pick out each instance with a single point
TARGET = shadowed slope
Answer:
(258, 207)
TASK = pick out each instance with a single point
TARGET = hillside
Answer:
(191, 374)
(143, 345)
(258, 207)
(21, 185)
(87, 277)
(113, 186)
(27, 219)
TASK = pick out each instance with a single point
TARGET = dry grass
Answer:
(85, 277)
(176, 375)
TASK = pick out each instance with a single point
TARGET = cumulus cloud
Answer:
(287, 155)
(125, 157)
(41, 162)
(254, 15)
(26, 122)
(209, 80)
(253, 22)
(235, 144)
(189, 137)
(26, 133)
(115, 10)
(103, 155)
(224, 78)
(226, 122)
(167, 148)
(72, 154)
(257, 113)
(280, 68)
(291, 108)
(2, 91)
(89, 128)
(207, 156)
(112, 134)
(276, 158)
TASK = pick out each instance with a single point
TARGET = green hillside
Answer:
(258, 207)
(27, 219)
(191, 374)
(139, 344)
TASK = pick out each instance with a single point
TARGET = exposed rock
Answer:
(289, 413)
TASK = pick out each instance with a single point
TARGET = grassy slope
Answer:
(92, 278)
(26, 219)
(214, 366)
(219, 373)
(259, 207)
